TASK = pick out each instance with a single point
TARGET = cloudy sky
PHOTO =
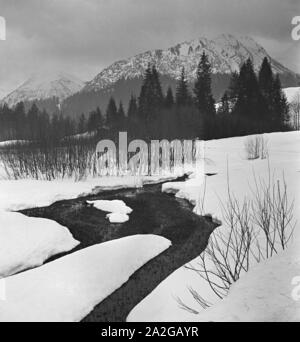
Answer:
(83, 36)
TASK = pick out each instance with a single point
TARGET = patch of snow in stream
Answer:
(118, 210)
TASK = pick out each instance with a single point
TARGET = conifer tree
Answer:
(132, 112)
(121, 117)
(279, 106)
(20, 120)
(82, 124)
(202, 89)
(233, 90)
(95, 120)
(250, 103)
(266, 78)
(32, 119)
(169, 99)
(183, 97)
(151, 97)
(111, 114)
(224, 107)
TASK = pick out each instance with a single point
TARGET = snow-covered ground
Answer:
(251, 294)
(260, 294)
(67, 289)
(263, 294)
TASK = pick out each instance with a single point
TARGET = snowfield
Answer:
(265, 292)
(68, 289)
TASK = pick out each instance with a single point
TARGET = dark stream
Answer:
(153, 213)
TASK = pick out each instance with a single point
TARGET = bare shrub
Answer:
(257, 230)
(43, 162)
(256, 147)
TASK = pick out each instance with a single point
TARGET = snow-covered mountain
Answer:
(226, 52)
(45, 86)
(124, 78)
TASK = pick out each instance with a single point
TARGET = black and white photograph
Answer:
(149, 163)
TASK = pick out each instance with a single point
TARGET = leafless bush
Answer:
(257, 229)
(256, 147)
(44, 162)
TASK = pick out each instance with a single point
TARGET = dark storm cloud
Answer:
(83, 36)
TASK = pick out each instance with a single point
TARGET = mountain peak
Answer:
(45, 85)
(226, 52)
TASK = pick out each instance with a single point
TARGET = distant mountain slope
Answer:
(226, 53)
(124, 77)
(45, 87)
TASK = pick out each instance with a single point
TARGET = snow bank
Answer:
(14, 193)
(27, 242)
(264, 294)
(223, 155)
(69, 288)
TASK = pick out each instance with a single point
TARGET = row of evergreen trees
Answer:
(252, 104)
(255, 102)
(34, 125)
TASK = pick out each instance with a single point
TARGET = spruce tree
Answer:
(182, 91)
(146, 95)
(202, 89)
(121, 117)
(266, 82)
(233, 90)
(151, 100)
(279, 106)
(32, 119)
(132, 112)
(250, 103)
(99, 119)
(157, 90)
(95, 120)
(82, 124)
(169, 99)
(111, 114)
(224, 107)
(20, 121)
(266, 78)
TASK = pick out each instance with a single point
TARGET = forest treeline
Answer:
(253, 103)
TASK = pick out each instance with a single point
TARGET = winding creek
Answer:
(154, 212)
